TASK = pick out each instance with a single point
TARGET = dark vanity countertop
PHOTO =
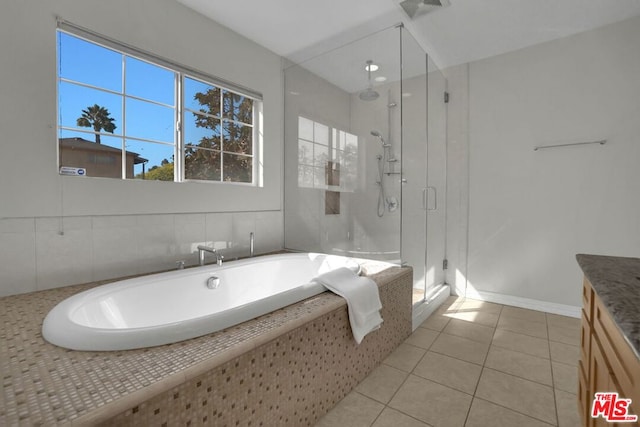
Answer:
(616, 280)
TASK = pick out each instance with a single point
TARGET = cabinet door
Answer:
(601, 380)
(584, 395)
(584, 392)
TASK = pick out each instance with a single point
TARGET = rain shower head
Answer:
(369, 94)
(415, 8)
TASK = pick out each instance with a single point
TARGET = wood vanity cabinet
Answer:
(607, 362)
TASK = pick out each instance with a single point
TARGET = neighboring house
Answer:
(98, 159)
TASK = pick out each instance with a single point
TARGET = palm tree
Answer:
(98, 118)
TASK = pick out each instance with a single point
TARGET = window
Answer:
(327, 157)
(125, 114)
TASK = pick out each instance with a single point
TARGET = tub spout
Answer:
(202, 249)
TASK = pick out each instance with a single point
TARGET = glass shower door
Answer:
(436, 178)
(423, 168)
(414, 162)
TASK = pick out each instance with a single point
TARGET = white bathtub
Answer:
(174, 306)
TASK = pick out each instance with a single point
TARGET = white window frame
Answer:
(181, 72)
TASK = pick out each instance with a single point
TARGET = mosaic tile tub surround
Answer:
(288, 367)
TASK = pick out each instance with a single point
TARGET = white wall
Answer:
(531, 211)
(62, 230)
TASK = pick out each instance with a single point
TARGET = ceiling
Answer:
(465, 31)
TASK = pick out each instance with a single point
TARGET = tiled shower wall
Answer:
(44, 253)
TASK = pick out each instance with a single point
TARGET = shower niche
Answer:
(356, 154)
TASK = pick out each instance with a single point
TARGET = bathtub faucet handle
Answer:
(202, 249)
(251, 244)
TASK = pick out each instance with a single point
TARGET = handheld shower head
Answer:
(379, 135)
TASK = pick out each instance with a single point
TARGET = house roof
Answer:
(81, 143)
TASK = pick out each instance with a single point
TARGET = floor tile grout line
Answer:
(475, 390)
(515, 376)
(412, 369)
(523, 333)
(468, 339)
(367, 397)
(514, 410)
(521, 377)
(403, 383)
(553, 381)
(456, 358)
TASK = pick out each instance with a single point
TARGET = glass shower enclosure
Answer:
(365, 155)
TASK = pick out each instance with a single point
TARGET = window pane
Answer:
(237, 168)
(199, 96)
(238, 107)
(79, 150)
(337, 156)
(77, 102)
(320, 134)
(305, 176)
(320, 178)
(320, 155)
(149, 81)
(150, 121)
(150, 161)
(305, 129)
(305, 152)
(351, 142)
(341, 142)
(89, 63)
(202, 131)
(201, 164)
(237, 138)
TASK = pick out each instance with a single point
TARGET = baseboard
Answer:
(532, 304)
(425, 309)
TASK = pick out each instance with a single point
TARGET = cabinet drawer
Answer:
(623, 364)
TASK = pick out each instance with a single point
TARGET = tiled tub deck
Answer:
(287, 367)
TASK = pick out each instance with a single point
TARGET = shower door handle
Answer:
(435, 199)
(424, 198)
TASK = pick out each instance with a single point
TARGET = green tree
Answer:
(164, 172)
(98, 118)
(227, 117)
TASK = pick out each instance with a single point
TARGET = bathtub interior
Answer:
(174, 297)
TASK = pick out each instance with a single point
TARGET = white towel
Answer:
(363, 299)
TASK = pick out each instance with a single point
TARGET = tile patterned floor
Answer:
(473, 364)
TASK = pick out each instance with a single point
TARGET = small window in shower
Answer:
(324, 153)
